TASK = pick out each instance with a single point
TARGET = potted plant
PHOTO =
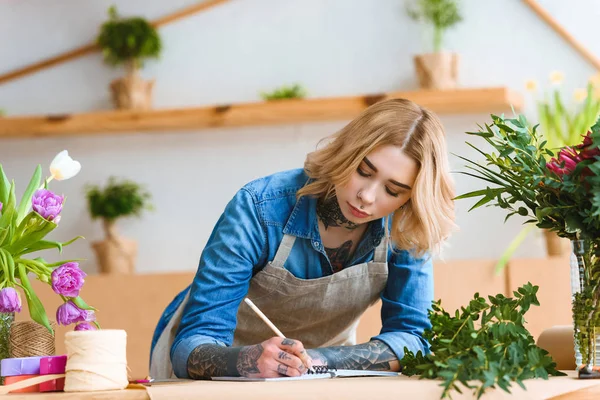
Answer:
(295, 91)
(120, 198)
(129, 41)
(438, 69)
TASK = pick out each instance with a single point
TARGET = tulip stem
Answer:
(46, 182)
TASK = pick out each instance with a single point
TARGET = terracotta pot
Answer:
(132, 92)
(555, 245)
(115, 254)
(437, 71)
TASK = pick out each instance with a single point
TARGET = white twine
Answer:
(96, 360)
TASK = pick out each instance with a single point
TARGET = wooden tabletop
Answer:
(559, 388)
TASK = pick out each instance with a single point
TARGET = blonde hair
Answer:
(427, 219)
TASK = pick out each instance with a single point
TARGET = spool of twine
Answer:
(96, 360)
(30, 339)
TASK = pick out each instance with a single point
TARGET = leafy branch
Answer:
(497, 352)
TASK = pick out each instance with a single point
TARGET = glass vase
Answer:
(6, 320)
(585, 282)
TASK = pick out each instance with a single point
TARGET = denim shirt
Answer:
(247, 236)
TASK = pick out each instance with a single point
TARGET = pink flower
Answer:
(566, 163)
(47, 204)
(584, 151)
(9, 300)
(69, 313)
(67, 279)
(84, 326)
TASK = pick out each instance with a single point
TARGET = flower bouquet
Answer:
(559, 192)
(23, 228)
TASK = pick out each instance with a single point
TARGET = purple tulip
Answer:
(47, 204)
(85, 326)
(67, 279)
(69, 313)
(9, 300)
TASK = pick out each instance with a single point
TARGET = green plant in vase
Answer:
(556, 191)
(118, 199)
(128, 42)
(438, 69)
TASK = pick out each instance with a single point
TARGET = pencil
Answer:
(272, 326)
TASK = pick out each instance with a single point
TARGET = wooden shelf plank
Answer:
(460, 101)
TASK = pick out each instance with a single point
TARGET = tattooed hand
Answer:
(272, 358)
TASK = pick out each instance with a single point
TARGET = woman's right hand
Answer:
(273, 358)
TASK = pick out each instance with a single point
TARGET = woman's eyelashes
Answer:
(361, 172)
(390, 192)
(365, 174)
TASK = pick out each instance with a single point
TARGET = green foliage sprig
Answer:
(442, 14)
(118, 199)
(295, 91)
(126, 40)
(496, 352)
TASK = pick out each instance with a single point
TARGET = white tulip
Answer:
(64, 167)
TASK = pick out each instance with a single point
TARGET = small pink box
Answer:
(53, 365)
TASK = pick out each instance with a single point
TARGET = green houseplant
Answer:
(128, 42)
(119, 199)
(438, 69)
(295, 91)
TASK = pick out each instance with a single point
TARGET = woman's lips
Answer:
(356, 212)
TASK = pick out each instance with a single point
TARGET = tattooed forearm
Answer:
(374, 355)
(209, 360)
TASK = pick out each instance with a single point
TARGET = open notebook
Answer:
(340, 373)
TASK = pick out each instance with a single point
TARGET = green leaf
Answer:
(36, 308)
(46, 244)
(3, 235)
(8, 209)
(25, 203)
(4, 187)
(81, 304)
(58, 263)
(35, 229)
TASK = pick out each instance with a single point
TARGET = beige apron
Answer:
(319, 312)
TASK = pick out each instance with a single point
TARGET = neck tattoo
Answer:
(330, 214)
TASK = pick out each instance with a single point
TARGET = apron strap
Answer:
(283, 252)
(381, 251)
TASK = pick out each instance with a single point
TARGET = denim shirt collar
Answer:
(303, 223)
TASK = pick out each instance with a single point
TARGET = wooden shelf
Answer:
(460, 101)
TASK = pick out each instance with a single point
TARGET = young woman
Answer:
(313, 248)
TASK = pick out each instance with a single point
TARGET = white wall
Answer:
(230, 54)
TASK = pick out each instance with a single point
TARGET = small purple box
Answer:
(53, 365)
(20, 366)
